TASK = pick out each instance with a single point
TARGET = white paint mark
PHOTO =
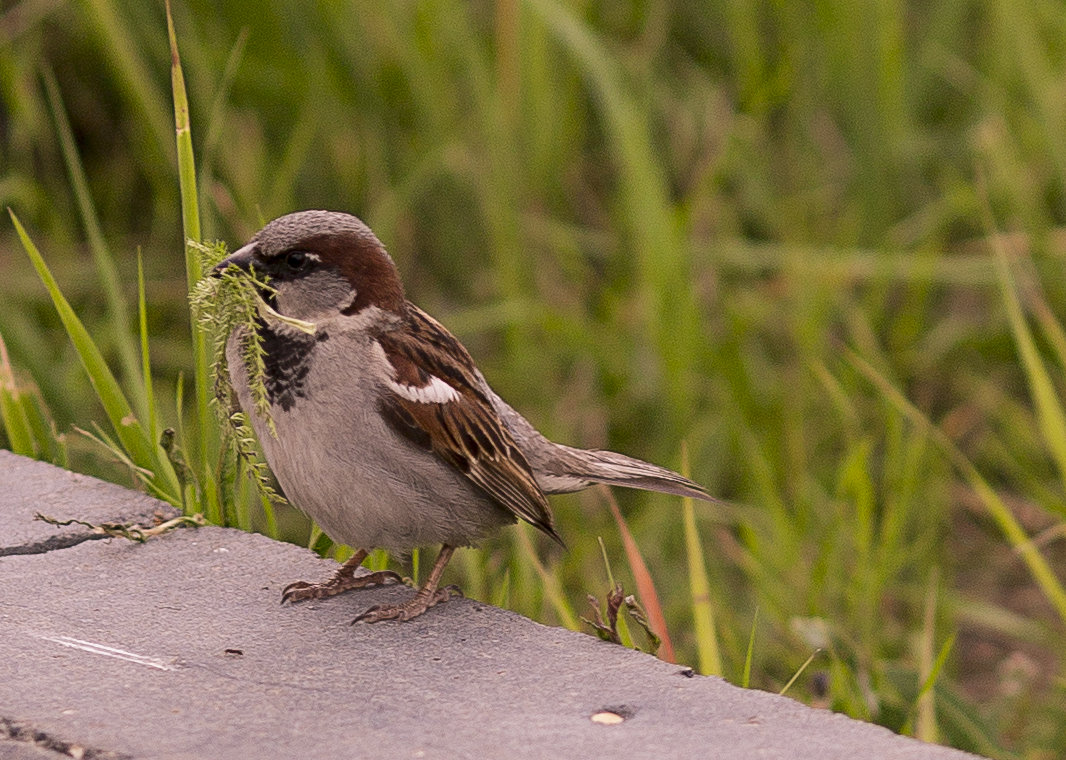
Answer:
(436, 392)
(106, 651)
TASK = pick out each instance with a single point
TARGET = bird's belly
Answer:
(338, 461)
(370, 492)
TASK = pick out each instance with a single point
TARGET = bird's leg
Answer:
(343, 580)
(428, 596)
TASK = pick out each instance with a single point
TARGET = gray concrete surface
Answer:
(178, 648)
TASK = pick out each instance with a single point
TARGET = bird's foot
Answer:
(412, 608)
(301, 591)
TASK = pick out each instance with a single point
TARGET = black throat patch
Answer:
(287, 361)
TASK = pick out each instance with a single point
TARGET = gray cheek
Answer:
(318, 295)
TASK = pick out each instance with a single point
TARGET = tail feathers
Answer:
(584, 468)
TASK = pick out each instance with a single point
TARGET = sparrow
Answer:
(385, 431)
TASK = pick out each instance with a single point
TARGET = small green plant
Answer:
(609, 626)
(30, 430)
(231, 303)
(129, 531)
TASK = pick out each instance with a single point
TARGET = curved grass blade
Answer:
(1000, 513)
(1049, 410)
(117, 307)
(143, 452)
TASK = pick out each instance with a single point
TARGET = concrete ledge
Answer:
(178, 648)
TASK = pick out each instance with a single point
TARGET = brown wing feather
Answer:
(466, 432)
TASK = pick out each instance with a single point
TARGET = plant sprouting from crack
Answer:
(129, 531)
(231, 302)
(607, 628)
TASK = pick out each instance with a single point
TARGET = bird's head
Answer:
(322, 264)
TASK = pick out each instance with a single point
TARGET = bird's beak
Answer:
(242, 258)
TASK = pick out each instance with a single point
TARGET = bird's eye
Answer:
(296, 261)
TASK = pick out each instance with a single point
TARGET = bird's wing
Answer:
(437, 401)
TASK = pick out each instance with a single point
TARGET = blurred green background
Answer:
(755, 230)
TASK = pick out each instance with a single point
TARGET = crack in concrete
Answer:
(51, 544)
(23, 732)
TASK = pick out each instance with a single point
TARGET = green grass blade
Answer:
(270, 516)
(475, 577)
(501, 594)
(142, 451)
(622, 628)
(215, 119)
(927, 729)
(117, 307)
(925, 704)
(13, 413)
(114, 450)
(50, 443)
(190, 220)
(242, 502)
(146, 361)
(192, 485)
(749, 655)
(1053, 329)
(190, 210)
(799, 672)
(1016, 536)
(552, 587)
(710, 658)
(318, 541)
(1049, 410)
(377, 560)
(974, 726)
(134, 76)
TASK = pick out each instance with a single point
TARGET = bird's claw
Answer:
(300, 591)
(412, 608)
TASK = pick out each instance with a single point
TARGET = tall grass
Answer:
(756, 230)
